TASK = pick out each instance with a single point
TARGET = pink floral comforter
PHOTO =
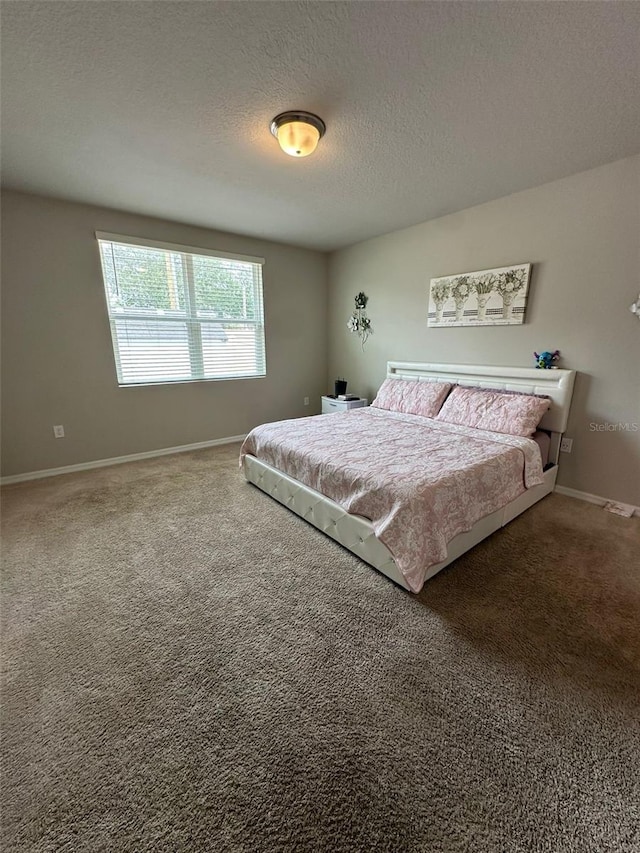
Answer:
(419, 481)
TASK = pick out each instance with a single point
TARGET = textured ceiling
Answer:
(163, 107)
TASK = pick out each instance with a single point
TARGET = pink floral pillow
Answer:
(513, 414)
(411, 397)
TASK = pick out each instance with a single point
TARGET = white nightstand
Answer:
(331, 406)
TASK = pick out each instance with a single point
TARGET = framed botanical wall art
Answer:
(495, 297)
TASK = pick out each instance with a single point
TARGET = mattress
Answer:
(543, 440)
(420, 482)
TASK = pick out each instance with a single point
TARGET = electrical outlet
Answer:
(306, 401)
(566, 444)
(58, 431)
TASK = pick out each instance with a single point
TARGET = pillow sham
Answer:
(497, 411)
(412, 397)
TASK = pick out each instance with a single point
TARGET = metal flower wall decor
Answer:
(358, 321)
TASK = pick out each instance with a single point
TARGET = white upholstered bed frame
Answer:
(356, 533)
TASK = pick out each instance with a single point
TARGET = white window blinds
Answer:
(179, 313)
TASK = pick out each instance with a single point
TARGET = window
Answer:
(179, 314)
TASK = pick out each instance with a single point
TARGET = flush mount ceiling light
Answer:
(298, 132)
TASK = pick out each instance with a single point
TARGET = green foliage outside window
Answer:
(154, 280)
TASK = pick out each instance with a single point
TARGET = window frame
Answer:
(192, 322)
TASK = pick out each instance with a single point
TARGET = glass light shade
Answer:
(298, 138)
(298, 132)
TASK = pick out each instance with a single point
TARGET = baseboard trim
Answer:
(585, 496)
(200, 445)
(116, 460)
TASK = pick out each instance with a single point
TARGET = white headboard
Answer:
(556, 384)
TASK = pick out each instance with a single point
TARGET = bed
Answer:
(409, 494)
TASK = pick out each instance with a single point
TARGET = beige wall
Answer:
(583, 236)
(57, 360)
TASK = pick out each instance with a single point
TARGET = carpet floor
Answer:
(190, 667)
